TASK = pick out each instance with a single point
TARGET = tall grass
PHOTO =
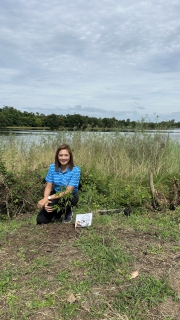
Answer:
(117, 165)
(123, 156)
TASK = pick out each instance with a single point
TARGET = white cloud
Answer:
(99, 55)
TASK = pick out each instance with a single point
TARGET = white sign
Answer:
(83, 220)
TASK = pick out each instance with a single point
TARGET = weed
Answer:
(63, 276)
(4, 281)
(47, 301)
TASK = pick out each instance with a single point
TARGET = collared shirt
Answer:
(61, 180)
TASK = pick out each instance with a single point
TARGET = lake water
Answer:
(37, 136)
(30, 136)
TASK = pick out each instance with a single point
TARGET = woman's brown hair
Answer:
(71, 161)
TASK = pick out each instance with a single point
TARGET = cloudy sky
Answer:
(100, 58)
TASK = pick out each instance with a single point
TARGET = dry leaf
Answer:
(85, 306)
(134, 275)
(71, 298)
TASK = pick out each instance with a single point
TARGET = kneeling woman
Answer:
(62, 181)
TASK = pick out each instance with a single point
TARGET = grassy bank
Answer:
(115, 167)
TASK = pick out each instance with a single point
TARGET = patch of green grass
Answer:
(141, 295)
(9, 227)
(4, 282)
(21, 253)
(9, 279)
(39, 263)
(175, 248)
(36, 282)
(63, 276)
(68, 311)
(14, 308)
(161, 225)
(154, 249)
(47, 301)
(105, 256)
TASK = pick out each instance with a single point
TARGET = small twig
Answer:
(19, 209)
(26, 201)
(52, 244)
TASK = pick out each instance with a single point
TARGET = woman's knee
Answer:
(41, 218)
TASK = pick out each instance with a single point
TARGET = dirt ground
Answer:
(55, 242)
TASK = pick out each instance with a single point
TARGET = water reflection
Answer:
(36, 136)
(26, 132)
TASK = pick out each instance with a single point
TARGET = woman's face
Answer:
(63, 157)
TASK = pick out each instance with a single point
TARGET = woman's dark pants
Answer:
(65, 207)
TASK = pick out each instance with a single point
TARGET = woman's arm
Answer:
(58, 195)
(48, 189)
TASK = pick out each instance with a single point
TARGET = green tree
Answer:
(52, 121)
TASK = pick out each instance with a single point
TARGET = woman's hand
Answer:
(44, 203)
(41, 203)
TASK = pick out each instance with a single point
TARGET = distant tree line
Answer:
(11, 117)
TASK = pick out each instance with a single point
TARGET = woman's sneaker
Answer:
(68, 217)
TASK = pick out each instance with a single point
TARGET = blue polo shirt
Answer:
(61, 180)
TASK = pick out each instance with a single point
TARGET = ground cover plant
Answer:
(123, 266)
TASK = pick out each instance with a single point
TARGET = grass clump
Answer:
(143, 295)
